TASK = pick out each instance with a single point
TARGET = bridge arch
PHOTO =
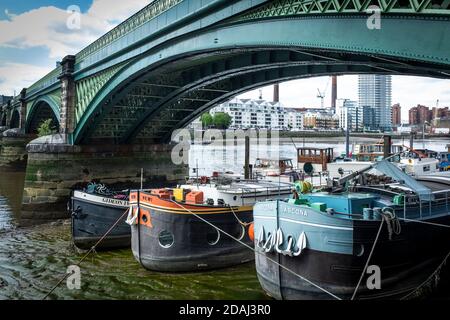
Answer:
(4, 120)
(186, 75)
(42, 109)
(14, 122)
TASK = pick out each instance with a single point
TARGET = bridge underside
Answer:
(40, 113)
(167, 87)
(4, 121)
(149, 107)
(15, 119)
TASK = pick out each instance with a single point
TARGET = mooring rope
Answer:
(88, 253)
(255, 251)
(368, 258)
(242, 223)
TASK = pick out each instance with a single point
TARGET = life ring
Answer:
(251, 231)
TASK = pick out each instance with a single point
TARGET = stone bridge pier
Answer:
(55, 168)
(13, 138)
(13, 154)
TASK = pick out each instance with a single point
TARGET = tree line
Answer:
(220, 120)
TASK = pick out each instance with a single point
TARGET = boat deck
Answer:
(248, 186)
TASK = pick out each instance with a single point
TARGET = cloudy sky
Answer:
(34, 36)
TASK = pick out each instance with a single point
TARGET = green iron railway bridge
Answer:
(175, 59)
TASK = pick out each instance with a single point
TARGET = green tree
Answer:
(46, 128)
(207, 120)
(222, 120)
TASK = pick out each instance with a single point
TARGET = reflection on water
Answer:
(11, 189)
(33, 260)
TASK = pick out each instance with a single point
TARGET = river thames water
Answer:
(33, 259)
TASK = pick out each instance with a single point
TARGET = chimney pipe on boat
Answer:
(387, 146)
(247, 158)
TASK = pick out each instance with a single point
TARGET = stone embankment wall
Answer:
(54, 170)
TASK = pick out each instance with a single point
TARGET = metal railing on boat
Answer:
(429, 203)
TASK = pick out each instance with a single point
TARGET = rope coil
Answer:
(242, 223)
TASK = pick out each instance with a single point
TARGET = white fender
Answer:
(289, 252)
(132, 216)
(279, 241)
(301, 244)
(270, 242)
(260, 239)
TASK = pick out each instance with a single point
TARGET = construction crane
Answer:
(321, 95)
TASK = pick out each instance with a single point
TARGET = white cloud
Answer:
(15, 76)
(406, 90)
(47, 27)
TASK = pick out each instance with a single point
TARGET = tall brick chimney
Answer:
(333, 92)
(276, 93)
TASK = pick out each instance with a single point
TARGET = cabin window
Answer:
(426, 168)
(213, 237)
(166, 239)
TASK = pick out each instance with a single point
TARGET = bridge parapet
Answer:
(47, 81)
(149, 12)
(279, 8)
(155, 21)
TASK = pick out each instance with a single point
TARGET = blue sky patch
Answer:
(18, 7)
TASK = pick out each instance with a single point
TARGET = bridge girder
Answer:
(123, 102)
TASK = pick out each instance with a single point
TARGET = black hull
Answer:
(291, 287)
(190, 250)
(406, 262)
(91, 221)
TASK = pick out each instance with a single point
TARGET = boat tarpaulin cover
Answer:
(391, 170)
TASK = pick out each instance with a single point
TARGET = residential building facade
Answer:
(420, 115)
(350, 115)
(375, 91)
(258, 114)
(396, 115)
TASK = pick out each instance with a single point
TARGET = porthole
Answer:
(213, 237)
(166, 239)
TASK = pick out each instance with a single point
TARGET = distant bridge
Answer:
(175, 59)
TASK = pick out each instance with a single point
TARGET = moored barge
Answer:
(319, 245)
(183, 229)
(93, 212)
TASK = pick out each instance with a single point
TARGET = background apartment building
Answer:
(375, 98)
